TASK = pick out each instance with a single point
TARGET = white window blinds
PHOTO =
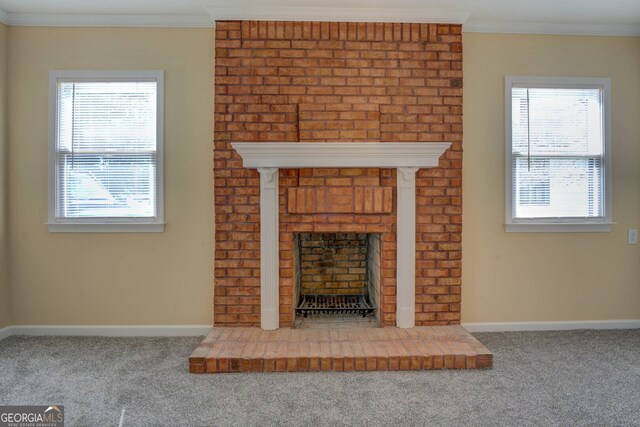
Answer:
(106, 149)
(558, 152)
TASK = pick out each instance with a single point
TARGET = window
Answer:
(105, 151)
(558, 167)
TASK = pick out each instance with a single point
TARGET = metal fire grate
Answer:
(334, 304)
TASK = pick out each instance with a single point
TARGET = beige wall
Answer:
(547, 276)
(167, 278)
(5, 294)
(154, 278)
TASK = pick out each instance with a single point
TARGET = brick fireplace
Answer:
(345, 137)
(322, 84)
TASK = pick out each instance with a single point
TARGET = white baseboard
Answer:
(5, 332)
(108, 330)
(552, 326)
(198, 330)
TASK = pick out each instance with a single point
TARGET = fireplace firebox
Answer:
(337, 275)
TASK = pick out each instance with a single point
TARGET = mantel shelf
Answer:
(340, 154)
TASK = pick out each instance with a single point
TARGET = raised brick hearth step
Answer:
(230, 349)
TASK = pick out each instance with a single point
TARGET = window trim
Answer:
(601, 224)
(107, 224)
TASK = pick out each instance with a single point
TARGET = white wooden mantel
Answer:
(407, 158)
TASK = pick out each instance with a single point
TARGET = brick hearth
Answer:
(306, 350)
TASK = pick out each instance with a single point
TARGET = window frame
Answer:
(105, 224)
(561, 224)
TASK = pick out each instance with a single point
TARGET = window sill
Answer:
(568, 227)
(142, 227)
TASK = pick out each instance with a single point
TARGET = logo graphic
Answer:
(32, 416)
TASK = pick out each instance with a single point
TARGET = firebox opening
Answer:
(337, 279)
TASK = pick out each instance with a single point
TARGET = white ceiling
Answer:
(606, 17)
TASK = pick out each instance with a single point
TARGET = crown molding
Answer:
(107, 20)
(555, 28)
(338, 14)
(4, 17)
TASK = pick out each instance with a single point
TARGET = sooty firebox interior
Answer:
(337, 278)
